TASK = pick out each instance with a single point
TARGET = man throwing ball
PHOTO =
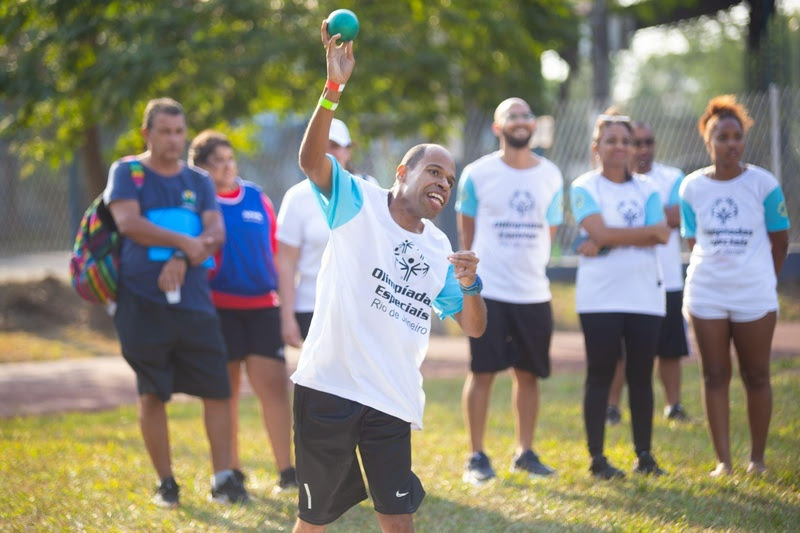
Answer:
(386, 268)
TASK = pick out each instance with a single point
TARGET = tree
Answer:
(79, 70)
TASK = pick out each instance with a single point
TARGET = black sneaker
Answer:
(478, 469)
(167, 493)
(231, 491)
(239, 475)
(613, 416)
(645, 464)
(529, 462)
(288, 479)
(602, 469)
(676, 412)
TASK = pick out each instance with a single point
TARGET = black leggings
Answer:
(606, 335)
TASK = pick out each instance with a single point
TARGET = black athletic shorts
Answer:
(672, 341)
(327, 430)
(517, 335)
(171, 350)
(304, 321)
(252, 332)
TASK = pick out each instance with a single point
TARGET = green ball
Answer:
(345, 22)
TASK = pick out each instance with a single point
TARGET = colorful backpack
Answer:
(94, 265)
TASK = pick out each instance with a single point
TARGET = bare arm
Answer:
(780, 247)
(604, 236)
(673, 215)
(286, 261)
(690, 242)
(472, 317)
(340, 63)
(466, 231)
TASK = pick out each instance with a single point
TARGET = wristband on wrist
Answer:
(475, 288)
(333, 86)
(179, 254)
(327, 104)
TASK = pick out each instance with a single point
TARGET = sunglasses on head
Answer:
(519, 116)
(614, 118)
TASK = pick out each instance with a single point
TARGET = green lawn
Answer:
(90, 471)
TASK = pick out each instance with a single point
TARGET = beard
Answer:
(515, 142)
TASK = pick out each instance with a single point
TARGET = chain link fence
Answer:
(40, 211)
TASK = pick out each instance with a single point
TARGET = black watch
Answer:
(179, 254)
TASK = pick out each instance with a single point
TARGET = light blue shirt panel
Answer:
(346, 196)
(653, 210)
(674, 197)
(450, 299)
(582, 204)
(777, 218)
(688, 220)
(555, 211)
(466, 200)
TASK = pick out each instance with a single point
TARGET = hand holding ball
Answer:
(345, 22)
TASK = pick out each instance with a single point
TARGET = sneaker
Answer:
(231, 491)
(478, 469)
(239, 475)
(602, 469)
(288, 479)
(167, 493)
(613, 416)
(645, 464)
(676, 412)
(529, 462)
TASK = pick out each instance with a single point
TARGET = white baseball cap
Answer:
(339, 133)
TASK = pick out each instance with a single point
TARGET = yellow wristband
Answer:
(327, 104)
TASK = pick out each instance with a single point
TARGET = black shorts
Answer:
(171, 350)
(252, 332)
(304, 321)
(672, 341)
(327, 430)
(517, 335)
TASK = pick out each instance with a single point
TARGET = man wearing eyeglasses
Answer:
(509, 204)
(672, 344)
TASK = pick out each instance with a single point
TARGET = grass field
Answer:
(90, 471)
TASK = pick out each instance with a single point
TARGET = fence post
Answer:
(775, 131)
(75, 202)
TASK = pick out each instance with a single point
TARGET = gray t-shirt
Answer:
(190, 189)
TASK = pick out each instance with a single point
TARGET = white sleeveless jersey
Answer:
(375, 291)
(668, 181)
(731, 263)
(513, 211)
(628, 278)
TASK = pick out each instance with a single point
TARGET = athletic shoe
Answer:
(613, 416)
(645, 464)
(288, 479)
(676, 412)
(239, 475)
(231, 491)
(478, 469)
(167, 493)
(602, 469)
(529, 462)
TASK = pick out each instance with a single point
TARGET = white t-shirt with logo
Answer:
(668, 181)
(627, 279)
(731, 263)
(302, 225)
(513, 211)
(375, 291)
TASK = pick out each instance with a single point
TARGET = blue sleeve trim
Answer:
(674, 196)
(653, 210)
(582, 203)
(555, 211)
(466, 199)
(688, 220)
(346, 196)
(450, 299)
(775, 213)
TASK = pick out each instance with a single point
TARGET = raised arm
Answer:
(472, 317)
(340, 63)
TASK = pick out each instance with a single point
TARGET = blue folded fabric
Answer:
(179, 220)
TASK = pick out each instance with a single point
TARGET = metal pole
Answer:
(775, 131)
(75, 213)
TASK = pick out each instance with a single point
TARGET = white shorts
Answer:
(716, 312)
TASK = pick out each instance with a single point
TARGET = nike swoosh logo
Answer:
(400, 494)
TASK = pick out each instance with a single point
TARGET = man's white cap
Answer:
(339, 133)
